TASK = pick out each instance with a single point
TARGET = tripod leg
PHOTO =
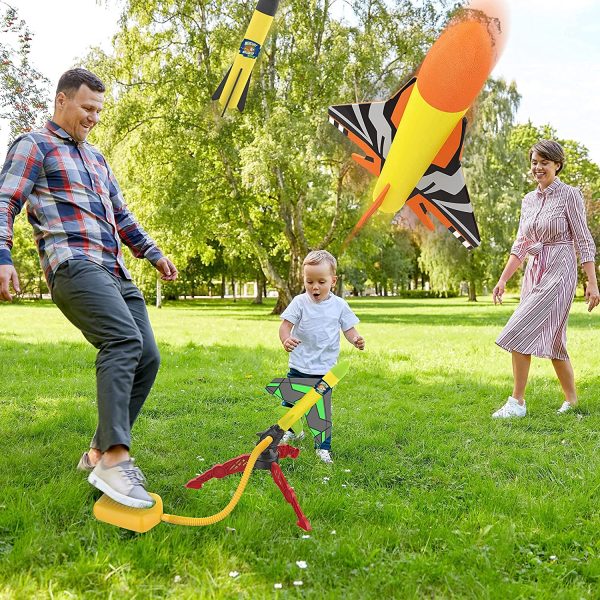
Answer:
(289, 495)
(235, 465)
(283, 450)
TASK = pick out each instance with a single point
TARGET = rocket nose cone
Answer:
(497, 13)
(462, 58)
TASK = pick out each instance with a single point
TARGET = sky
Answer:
(552, 53)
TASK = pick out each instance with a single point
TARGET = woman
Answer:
(552, 225)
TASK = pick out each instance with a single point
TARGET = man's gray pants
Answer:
(111, 314)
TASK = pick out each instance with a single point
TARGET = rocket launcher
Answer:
(265, 455)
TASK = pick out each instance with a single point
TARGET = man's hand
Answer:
(592, 296)
(167, 269)
(290, 343)
(8, 275)
(499, 291)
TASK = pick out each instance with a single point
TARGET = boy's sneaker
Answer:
(566, 407)
(289, 436)
(512, 408)
(123, 482)
(324, 455)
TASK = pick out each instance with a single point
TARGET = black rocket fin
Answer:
(219, 90)
(242, 101)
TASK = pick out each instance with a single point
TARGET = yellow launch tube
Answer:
(412, 152)
(305, 403)
(330, 379)
(200, 521)
(142, 520)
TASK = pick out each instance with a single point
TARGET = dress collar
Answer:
(551, 188)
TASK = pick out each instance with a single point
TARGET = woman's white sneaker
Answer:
(512, 408)
(566, 407)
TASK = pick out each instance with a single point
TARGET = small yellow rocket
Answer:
(232, 91)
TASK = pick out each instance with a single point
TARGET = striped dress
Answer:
(551, 227)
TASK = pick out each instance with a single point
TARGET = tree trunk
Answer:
(158, 293)
(339, 286)
(233, 289)
(472, 292)
(258, 298)
(283, 299)
(222, 286)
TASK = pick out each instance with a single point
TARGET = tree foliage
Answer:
(23, 89)
(275, 181)
(23, 103)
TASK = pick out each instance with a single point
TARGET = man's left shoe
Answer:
(566, 407)
(123, 482)
(324, 455)
(85, 464)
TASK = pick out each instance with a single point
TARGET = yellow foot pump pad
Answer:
(135, 519)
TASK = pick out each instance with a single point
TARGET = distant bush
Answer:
(425, 294)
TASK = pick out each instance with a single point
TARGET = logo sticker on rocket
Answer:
(413, 141)
(249, 49)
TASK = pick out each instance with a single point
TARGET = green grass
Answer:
(428, 497)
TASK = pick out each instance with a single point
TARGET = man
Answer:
(79, 220)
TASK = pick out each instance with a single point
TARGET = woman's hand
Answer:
(592, 296)
(498, 291)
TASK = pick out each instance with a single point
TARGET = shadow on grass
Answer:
(451, 312)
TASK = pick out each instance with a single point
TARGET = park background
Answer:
(428, 496)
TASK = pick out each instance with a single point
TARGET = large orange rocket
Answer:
(413, 141)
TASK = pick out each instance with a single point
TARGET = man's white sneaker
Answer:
(289, 436)
(512, 408)
(324, 455)
(566, 407)
(124, 483)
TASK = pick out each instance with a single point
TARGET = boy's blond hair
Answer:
(316, 257)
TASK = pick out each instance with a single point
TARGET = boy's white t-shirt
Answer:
(317, 325)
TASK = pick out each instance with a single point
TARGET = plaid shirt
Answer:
(73, 203)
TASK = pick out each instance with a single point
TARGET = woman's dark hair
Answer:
(73, 79)
(550, 150)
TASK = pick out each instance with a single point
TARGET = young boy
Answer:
(310, 330)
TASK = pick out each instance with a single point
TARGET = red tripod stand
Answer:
(269, 462)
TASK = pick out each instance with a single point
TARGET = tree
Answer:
(276, 180)
(23, 93)
(23, 89)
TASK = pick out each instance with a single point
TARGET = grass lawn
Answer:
(428, 497)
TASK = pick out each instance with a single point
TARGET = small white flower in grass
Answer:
(233, 574)
(199, 458)
(301, 564)
(344, 485)
(347, 471)
(298, 583)
(553, 557)
(176, 579)
(333, 532)
(277, 586)
(305, 536)
(325, 479)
